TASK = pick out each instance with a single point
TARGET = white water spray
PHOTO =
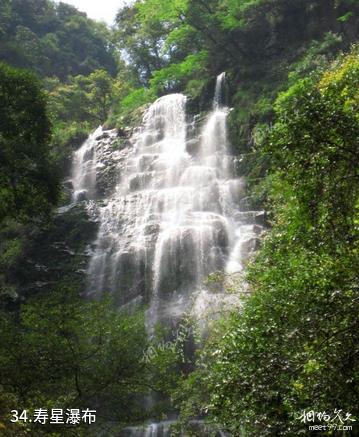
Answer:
(172, 219)
(83, 172)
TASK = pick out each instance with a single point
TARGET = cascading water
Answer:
(218, 91)
(173, 217)
(83, 172)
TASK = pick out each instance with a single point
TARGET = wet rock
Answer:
(251, 245)
(152, 229)
(245, 204)
(192, 146)
(261, 218)
(103, 136)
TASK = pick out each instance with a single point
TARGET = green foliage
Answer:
(317, 57)
(294, 346)
(140, 41)
(128, 110)
(53, 39)
(168, 42)
(290, 348)
(64, 352)
(28, 181)
(256, 41)
(10, 252)
(13, 239)
(345, 17)
(136, 99)
(314, 146)
(158, 9)
(83, 98)
(236, 13)
(65, 138)
(77, 107)
(174, 75)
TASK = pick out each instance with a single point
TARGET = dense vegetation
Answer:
(63, 352)
(53, 39)
(29, 180)
(295, 345)
(293, 76)
(28, 184)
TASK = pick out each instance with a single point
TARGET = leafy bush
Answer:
(29, 183)
(295, 345)
(64, 352)
(171, 77)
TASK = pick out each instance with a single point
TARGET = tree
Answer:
(294, 346)
(84, 98)
(140, 44)
(29, 185)
(53, 39)
(65, 352)
(100, 93)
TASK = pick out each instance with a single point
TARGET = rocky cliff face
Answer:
(170, 210)
(153, 212)
(60, 253)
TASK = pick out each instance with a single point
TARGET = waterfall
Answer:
(83, 172)
(161, 429)
(173, 217)
(218, 91)
(177, 213)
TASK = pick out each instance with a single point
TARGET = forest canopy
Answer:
(53, 39)
(282, 353)
(29, 185)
